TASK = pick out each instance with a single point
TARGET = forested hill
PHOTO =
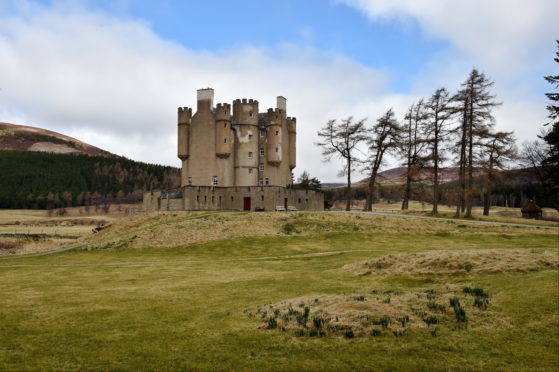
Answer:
(47, 180)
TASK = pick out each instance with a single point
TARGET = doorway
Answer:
(285, 203)
(246, 203)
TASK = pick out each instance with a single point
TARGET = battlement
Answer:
(291, 124)
(184, 115)
(275, 116)
(244, 100)
(223, 111)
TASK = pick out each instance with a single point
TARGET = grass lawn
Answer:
(129, 306)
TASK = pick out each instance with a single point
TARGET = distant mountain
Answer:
(15, 137)
(45, 169)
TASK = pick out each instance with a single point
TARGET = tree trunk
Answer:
(462, 169)
(469, 192)
(407, 190)
(371, 190)
(348, 193)
(436, 175)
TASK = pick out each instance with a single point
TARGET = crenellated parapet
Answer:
(245, 111)
(223, 111)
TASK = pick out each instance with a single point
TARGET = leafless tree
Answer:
(477, 103)
(438, 111)
(412, 145)
(383, 137)
(341, 139)
(499, 149)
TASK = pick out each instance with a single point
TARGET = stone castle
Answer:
(235, 161)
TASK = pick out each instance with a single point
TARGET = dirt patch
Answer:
(377, 314)
(483, 261)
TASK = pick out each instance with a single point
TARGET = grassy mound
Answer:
(381, 313)
(446, 262)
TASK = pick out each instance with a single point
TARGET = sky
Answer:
(112, 73)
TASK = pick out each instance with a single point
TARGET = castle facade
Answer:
(218, 147)
(237, 159)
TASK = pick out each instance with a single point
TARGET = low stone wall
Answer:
(234, 198)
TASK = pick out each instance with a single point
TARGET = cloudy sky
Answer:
(112, 73)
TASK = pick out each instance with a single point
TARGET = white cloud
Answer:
(509, 35)
(116, 85)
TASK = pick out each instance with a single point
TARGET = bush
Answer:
(430, 320)
(349, 333)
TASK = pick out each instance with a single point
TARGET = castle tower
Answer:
(274, 137)
(223, 138)
(184, 119)
(245, 122)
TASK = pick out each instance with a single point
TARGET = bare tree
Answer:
(341, 140)
(384, 136)
(412, 145)
(438, 111)
(478, 104)
(499, 149)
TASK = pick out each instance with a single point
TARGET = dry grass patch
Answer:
(376, 314)
(483, 261)
(171, 229)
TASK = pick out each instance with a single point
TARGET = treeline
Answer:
(41, 180)
(455, 129)
(503, 194)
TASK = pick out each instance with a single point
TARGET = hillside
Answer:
(46, 180)
(15, 137)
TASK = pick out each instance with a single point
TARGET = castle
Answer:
(235, 161)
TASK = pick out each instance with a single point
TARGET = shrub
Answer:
(360, 298)
(384, 322)
(349, 333)
(482, 303)
(430, 320)
(478, 292)
(318, 322)
(404, 320)
(376, 332)
(299, 333)
(272, 323)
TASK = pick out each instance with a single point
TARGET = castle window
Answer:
(261, 151)
(214, 181)
(225, 140)
(250, 114)
(262, 197)
(250, 137)
(224, 125)
(266, 181)
(249, 170)
(261, 167)
(261, 181)
(250, 154)
(277, 149)
(299, 200)
(189, 181)
(277, 132)
(262, 132)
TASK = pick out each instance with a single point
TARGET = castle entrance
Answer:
(246, 203)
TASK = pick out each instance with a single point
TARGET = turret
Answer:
(292, 129)
(245, 121)
(223, 138)
(184, 118)
(245, 111)
(274, 136)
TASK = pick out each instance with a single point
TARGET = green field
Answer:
(117, 303)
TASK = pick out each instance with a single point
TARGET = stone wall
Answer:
(234, 198)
